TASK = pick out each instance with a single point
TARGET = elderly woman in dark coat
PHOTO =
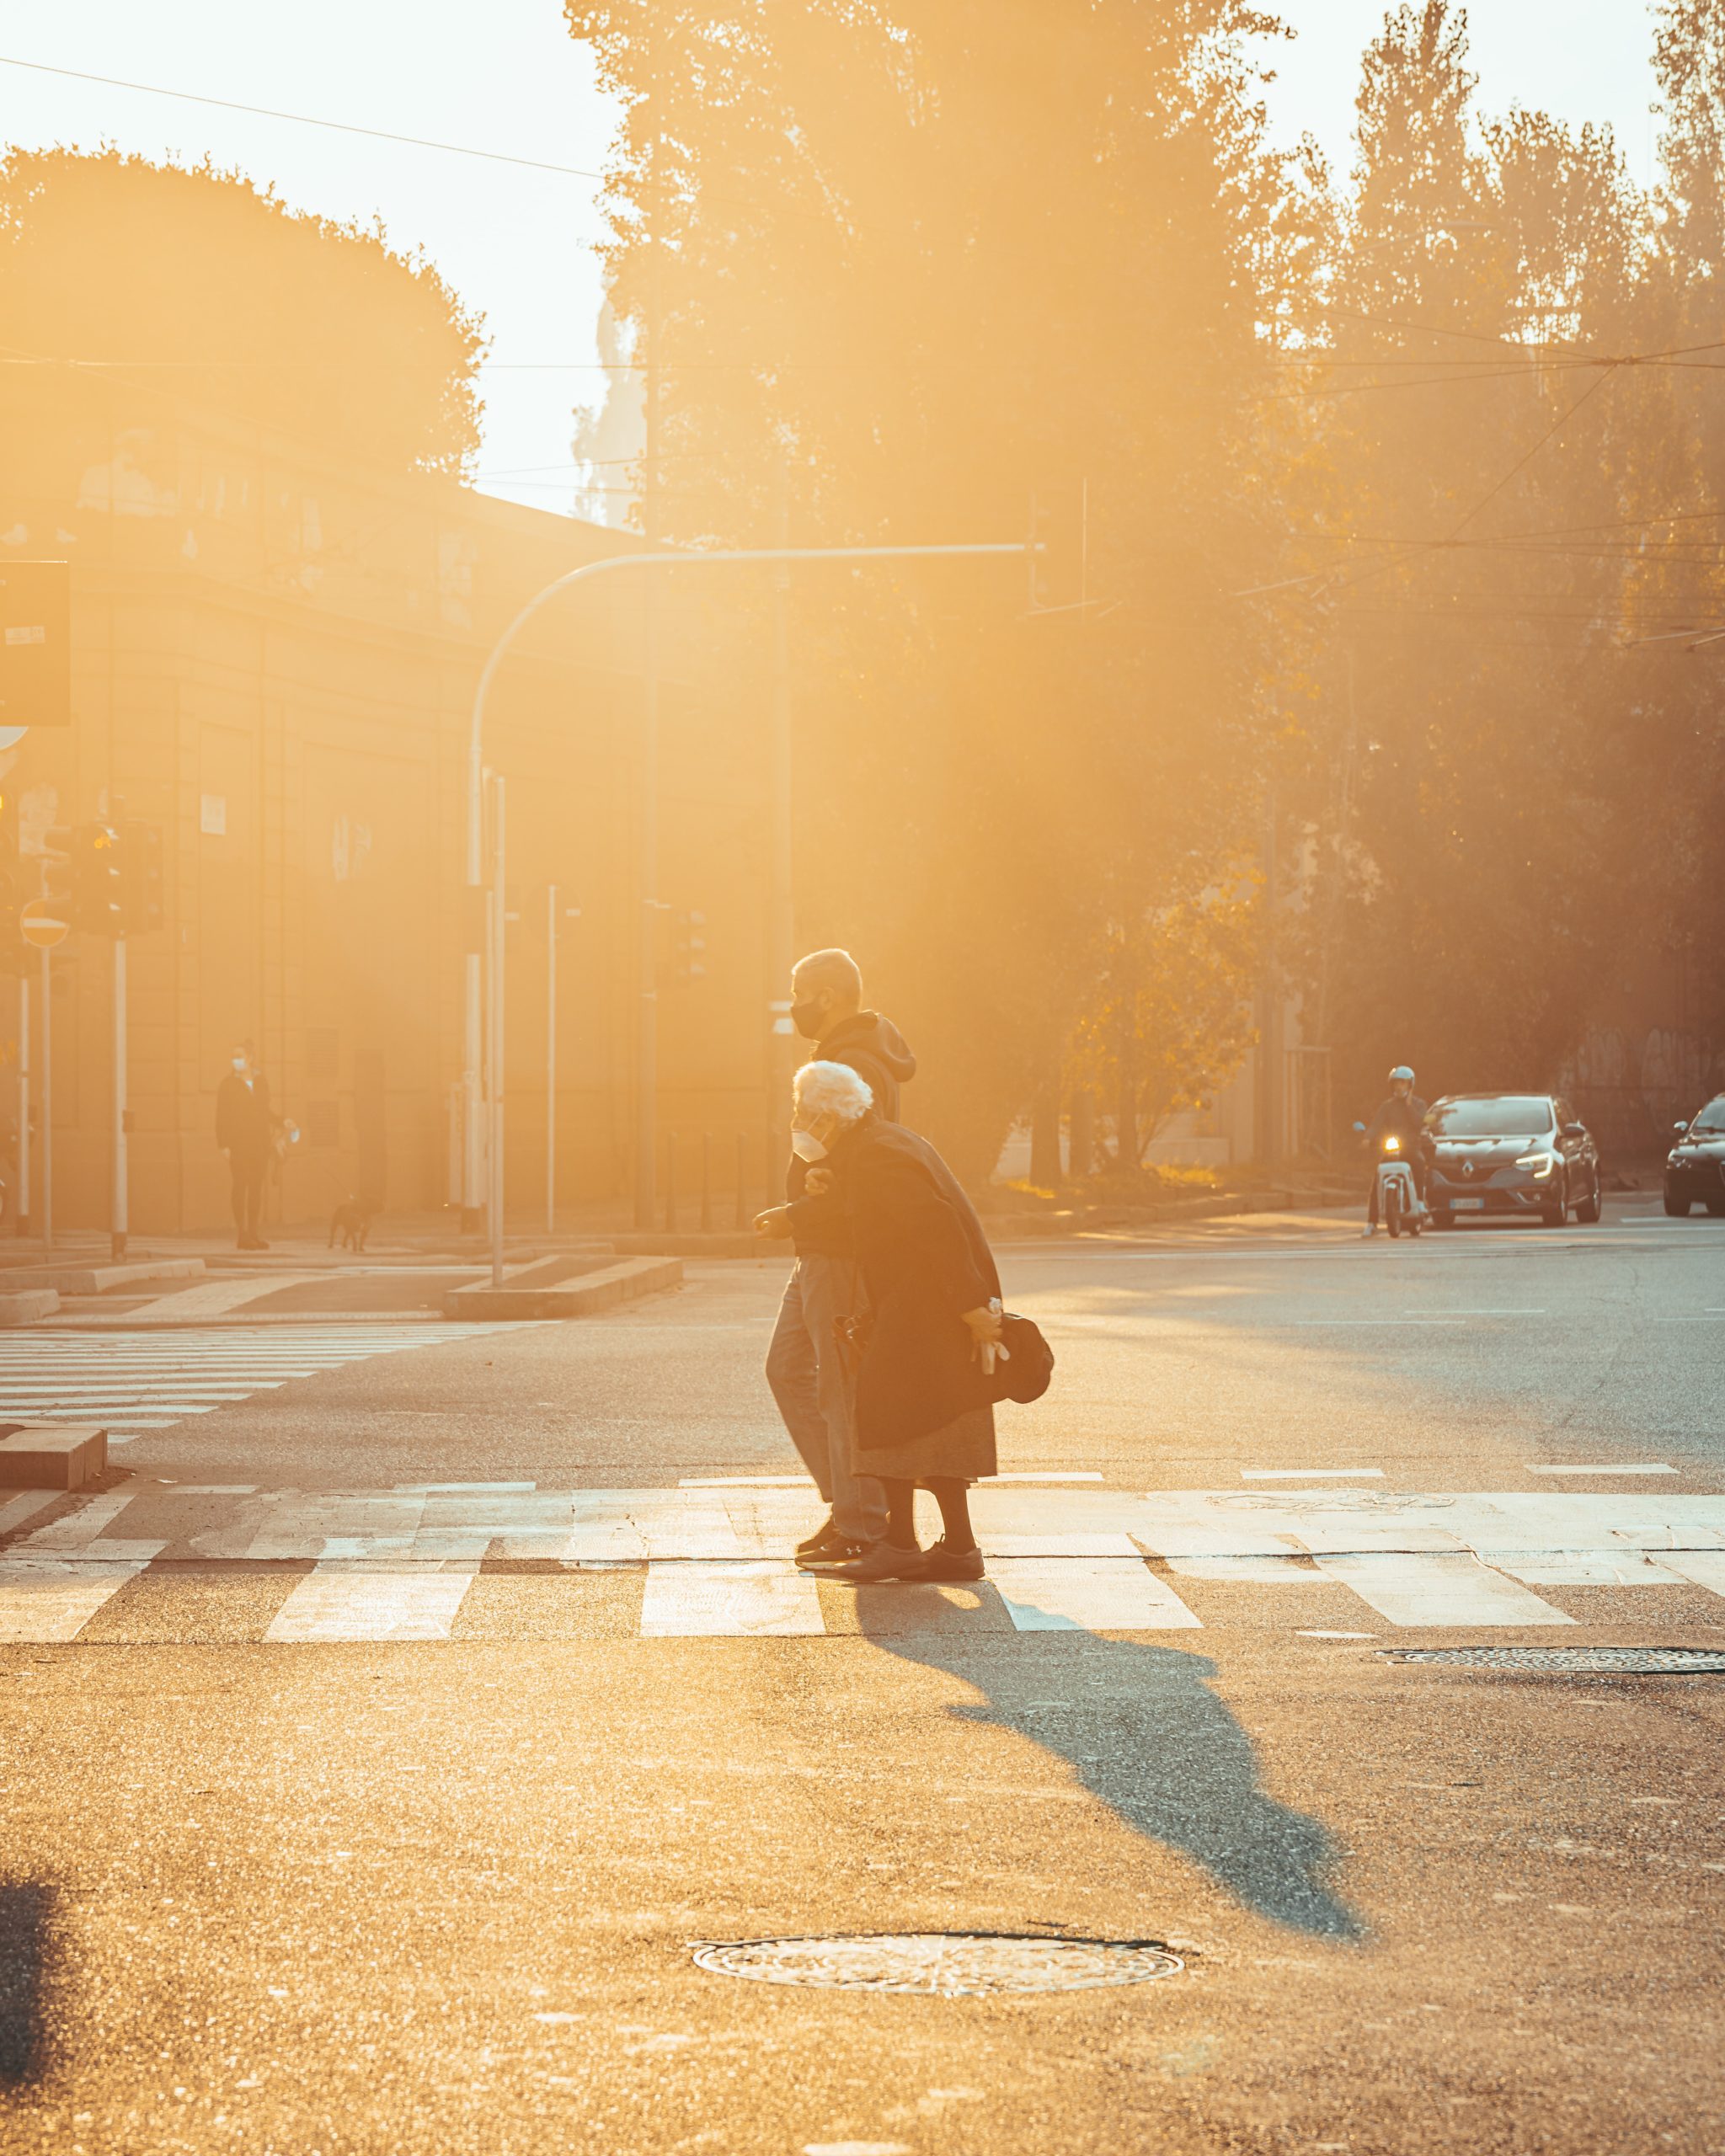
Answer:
(924, 1351)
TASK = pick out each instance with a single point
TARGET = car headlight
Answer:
(1538, 1164)
(1393, 1145)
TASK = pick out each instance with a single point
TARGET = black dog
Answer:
(352, 1222)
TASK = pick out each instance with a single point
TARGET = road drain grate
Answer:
(1569, 1662)
(941, 1964)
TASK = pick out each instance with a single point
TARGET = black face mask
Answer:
(807, 1018)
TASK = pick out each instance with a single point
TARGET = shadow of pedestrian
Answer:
(1142, 1729)
(25, 1910)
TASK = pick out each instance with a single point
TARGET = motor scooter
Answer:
(1399, 1206)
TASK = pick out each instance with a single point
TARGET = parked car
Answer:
(1510, 1154)
(1695, 1167)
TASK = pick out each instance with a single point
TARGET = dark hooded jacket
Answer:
(875, 1049)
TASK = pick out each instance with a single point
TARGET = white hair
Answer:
(831, 1089)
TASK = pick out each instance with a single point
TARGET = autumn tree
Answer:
(212, 290)
(903, 266)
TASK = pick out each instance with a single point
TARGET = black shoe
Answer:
(879, 1563)
(824, 1536)
(942, 1562)
(836, 1549)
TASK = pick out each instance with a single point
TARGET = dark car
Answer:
(1695, 1167)
(1502, 1155)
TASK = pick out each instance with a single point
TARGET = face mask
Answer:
(806, 1018)
(807, 1146)
(239, 1064)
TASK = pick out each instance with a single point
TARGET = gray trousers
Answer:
(815, 1394)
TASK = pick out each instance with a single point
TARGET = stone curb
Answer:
(51, 1455)
(583, 1297)
(24, 1308)
(92, 1279)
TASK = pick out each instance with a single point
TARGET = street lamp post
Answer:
(476, 1000)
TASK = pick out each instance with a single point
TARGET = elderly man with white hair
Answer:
(923, 1349)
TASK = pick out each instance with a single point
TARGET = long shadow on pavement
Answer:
(1141, 1728)
(25, 1910)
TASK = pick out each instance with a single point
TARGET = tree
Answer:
(200, 284)
(913, 263)
(1170, 1020)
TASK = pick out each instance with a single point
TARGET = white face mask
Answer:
(807, 1146)
(239, 1064)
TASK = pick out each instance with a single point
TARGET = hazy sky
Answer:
(516, 243)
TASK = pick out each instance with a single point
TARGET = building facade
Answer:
(275, 661)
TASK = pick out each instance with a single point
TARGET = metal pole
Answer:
(47, 1108)
(495, 1148)
(21, 1208)
(118, 1209)
(781, 915)
(551, 1059)
(612, 564)
(646, 966)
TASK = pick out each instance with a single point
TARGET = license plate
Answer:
(1467, 1205)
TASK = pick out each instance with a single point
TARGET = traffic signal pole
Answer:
(646, 1105)
(21, 1198)
(117, 1211)
(47, 1106)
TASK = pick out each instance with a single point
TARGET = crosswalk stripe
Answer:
(695, 1600)
(351, 1606)
(46, 1602)
(1088, 1594)
(1700, 1568)
(1431, 1587)
(139, 1381)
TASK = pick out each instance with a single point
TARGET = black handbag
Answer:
(1029, 1367)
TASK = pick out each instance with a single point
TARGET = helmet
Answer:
(1401, 1075)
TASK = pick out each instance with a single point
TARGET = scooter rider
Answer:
(1402, 1117)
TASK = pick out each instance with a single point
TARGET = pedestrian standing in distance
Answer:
(808, 1374)
(245, 1130)
(924, 1348)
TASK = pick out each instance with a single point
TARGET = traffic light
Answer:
(688, 946)
(83, 879)
(35, 644)
(140, 881)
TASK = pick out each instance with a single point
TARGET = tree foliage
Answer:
(912, 264)
(193, 280)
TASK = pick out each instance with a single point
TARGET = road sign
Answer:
(38, 924)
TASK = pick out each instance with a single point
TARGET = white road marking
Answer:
(1087, 1476)
(744, 1482)
(15, 1511)
(1641, 1467)
(1587, 1568)
(1700, 1568)
(1252, 1572)
(1303, 1473)
(1088, 1594)
(145, 1381)
(748, 1601)
(1433, 1587)
(370, 1605)
(45, 1602)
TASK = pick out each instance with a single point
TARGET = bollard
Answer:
(742, 1179)
(706, 1182)
(670, 1183)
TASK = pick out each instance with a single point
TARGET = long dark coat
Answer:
(924, 1261)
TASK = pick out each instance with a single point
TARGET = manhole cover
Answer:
(943, 1964)
(1606, 1661)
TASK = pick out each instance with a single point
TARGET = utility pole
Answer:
(1270, 1048)
(551, 1059)
(21, 1206)
(780, 907)
(47, 1107)
(647, 968)
(496, 903)
(118, 1215)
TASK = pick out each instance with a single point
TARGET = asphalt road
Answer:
(302, 1898)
